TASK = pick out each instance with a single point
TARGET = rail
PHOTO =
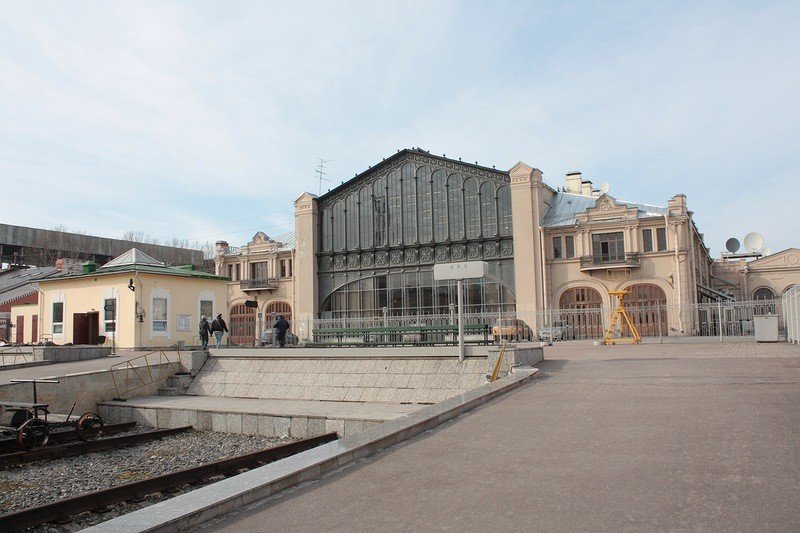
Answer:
(61, 509)
(141, 368)
(13, 353)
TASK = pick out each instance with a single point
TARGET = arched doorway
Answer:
(580, 313)
(243, 325)
(764, 299)
(647, 305)
(275, 309)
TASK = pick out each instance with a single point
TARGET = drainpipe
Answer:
(545, 298)
(677, 272)
(40, 297)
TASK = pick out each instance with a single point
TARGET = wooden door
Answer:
(20, 329)
(34, 329)
(80, 328)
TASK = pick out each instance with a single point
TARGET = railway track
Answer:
(61, 511)
(69, 450)
(61, 437)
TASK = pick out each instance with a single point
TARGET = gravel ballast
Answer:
(40, 483)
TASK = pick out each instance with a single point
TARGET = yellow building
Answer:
(25, 318)
(136, 298)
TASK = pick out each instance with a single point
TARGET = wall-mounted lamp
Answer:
(131, 286)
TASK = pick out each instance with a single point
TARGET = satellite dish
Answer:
(605, 187)
(753, 241)
(732, 245)
(766, 251)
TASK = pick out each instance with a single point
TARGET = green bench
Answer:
(399, 336)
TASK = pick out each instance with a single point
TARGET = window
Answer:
(455, 207)
(110, 314)
(206, 309)
(379, 212)
(608, 247)
(504, 210)
(570, 242)
(425, 207)
(352, 222)
(339, 242)
(409, 188)
(439, 196)
(159, 314)
(488, 209)
(661, 239)
(286, 268)
(394, 201)
(472, 208)
(58, 317)
(647, 240)
(557, 253)
(365, 222)
(233, 272)
(259, 270)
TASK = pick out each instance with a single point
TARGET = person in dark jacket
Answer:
(204, 331)
(281, 327)
(218, 327)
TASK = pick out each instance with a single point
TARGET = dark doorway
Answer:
(20, 329)
(34, 329)
(85, 328)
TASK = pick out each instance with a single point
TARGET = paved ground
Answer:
(622, 440)
(65, 369)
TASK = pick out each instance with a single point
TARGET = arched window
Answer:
(764, 293)
(327, 229)
(338, 226)
(472, 208)
(455, 206)
(504, 210)
(365, 199)
(580, 313)
(275, 309)
(352, 221)
(395, 216)
(379, 211)
(646, 303)
(488, 210)
(765, 304)
(439, 196)
(409, 187)
(424, 204)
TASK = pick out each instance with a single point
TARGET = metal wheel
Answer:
(88, 425)
(32, 433)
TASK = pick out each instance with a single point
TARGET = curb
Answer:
(205, 503)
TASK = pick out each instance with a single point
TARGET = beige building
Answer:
(135, 298)
(25, 318)
(765, 278)
(261, 272)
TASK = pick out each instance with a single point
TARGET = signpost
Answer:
(460, 272)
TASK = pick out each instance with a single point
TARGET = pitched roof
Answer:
(133, 257)
(565, 206)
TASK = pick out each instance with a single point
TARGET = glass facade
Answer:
(381, 234)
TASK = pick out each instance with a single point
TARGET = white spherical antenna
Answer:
(753, 241)
(732, 245)
(605, 187)
(766, 251)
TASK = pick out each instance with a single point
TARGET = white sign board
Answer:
(184, 323)
(466, 270)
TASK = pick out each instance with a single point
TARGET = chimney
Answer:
(221, 247)
(573, 181)
(586, 188)
(677, 204)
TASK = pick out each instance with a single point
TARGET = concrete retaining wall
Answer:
(405, 379)
(299, 427)
(65, 354)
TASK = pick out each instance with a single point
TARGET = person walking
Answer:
(281, 327)
(218, 327)
(204, 332)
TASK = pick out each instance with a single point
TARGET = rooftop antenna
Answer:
(321, 172)
(732, 245)
(605, 187)
(754, 242)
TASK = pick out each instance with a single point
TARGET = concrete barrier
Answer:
(66, 354)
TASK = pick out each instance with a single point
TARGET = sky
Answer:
(205, 120)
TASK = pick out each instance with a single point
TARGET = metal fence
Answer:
(791, 309)
(714, 320)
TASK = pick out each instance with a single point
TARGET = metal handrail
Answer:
(13, 351)
(143, 380)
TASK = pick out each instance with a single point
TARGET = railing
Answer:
(791, 308)
(253, 284)
(10, 355)
(141, 368)
(630, 259)
(718, 320)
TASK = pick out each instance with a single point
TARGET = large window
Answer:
(58, 317)
(425, 207)
(472, 208)
(352, 222)
(409, 188)
(365, 220)
(488, 210)
(647, 240)
(661, 239)
(259, 270)
(455, 207)
(159, 314)
(339, 241)
(393, 201)
(379, 212)
(504, 210)
(608, 247)
(110, 314)
(439, 186)
(286, 268)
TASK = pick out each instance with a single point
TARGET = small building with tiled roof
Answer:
(133, 301)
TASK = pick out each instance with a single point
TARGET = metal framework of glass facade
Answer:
(381, 233)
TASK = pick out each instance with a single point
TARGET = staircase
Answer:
(176, 385)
